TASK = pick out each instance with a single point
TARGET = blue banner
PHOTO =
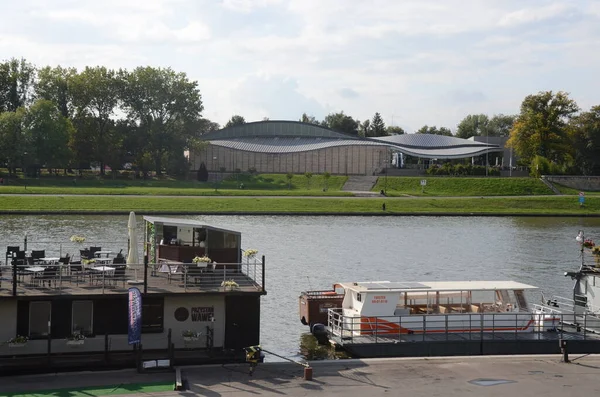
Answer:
(134, 329)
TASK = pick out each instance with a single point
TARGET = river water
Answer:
(314, 252)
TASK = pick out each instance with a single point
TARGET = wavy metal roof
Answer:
(289, 145)
(292, 136)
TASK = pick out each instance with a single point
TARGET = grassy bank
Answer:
(185, 205)
(450, 186)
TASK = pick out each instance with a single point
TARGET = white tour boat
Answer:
(385, 307)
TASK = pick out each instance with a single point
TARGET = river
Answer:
(314, 252)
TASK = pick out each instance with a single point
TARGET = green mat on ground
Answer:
(96, 391)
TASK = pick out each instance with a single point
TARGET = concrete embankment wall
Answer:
(587, 183)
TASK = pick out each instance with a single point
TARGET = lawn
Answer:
(459, 186)
(540, 205)
(112, 390)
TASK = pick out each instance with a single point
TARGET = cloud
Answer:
(348, 93)
(428, 62)
(276, 97)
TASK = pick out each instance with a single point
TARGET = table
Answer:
(103, 260)
(103, 268)
(34, 269)
(49, 259)
(100, 253)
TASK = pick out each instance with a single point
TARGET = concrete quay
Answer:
(448, 376)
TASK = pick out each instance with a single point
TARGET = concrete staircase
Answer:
(550, 185)
(360, 184)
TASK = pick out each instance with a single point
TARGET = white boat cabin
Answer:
(386, 298)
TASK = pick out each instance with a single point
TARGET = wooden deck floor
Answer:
(159, 284)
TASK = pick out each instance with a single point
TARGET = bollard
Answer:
(308, 373)
(564, 351)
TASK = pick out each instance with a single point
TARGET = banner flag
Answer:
(134, 328)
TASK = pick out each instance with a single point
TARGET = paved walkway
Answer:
(454, 376)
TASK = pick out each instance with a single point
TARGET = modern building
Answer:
(295, 147)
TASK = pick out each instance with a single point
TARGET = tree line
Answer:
(62, 118)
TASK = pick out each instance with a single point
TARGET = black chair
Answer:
(51, 275)
(19, 258)
(85, 254)
(118, 260)
(65, 260)
(119, 274)
(11, 251)
(93, 251)
(38, 254)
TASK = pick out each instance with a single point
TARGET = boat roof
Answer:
(184, 222)
(411, 286)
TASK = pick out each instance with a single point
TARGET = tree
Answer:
(202, 173)
(394, 130)
(308, 175)
(47, 135)
(585, 134)
(326, 176)
(541, 127)
(365, 128)
(434, 130)
(377, 126)
(473, 125)
(54, 84)
(166, 105)
(309, 119)
(501, 124)
(95, 97)
(342, 123)
(235, 120)
(12, 140)
(17, 78)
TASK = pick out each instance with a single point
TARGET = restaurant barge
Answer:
(193, 312)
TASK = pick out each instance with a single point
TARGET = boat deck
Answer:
(96, 282)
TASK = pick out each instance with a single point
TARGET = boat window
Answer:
(153, 315)
(483, 297)
(40, 314)
(359, 297)
(82, 318)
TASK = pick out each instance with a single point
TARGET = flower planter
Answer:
(75, 342)
(17, 344)
(190, 338)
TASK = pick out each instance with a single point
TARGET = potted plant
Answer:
(190, 335)
(76, 339)
(198, 260)
(77, 239)
(596, 250)
(588, 243)
(250, 253)
(17, 341)
(229, 285)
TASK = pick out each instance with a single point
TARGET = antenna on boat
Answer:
(308, 278)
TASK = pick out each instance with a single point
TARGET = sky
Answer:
(416, 62)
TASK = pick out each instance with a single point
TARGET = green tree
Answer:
(434, 130)
(541, 127)
(342, 123)
(47, 135)
(473, 125)
(12, 140)
(309, 119)
(54, 84)
(365, 128)
(308, 175)
(585, 134)
(377, 126)
(394, 130)
(17, 77)
(166, 105)
(501, 124)
(236, 119)
(95, 97)
(326, 176)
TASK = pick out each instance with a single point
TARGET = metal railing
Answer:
(111, 278)
(351, 329)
